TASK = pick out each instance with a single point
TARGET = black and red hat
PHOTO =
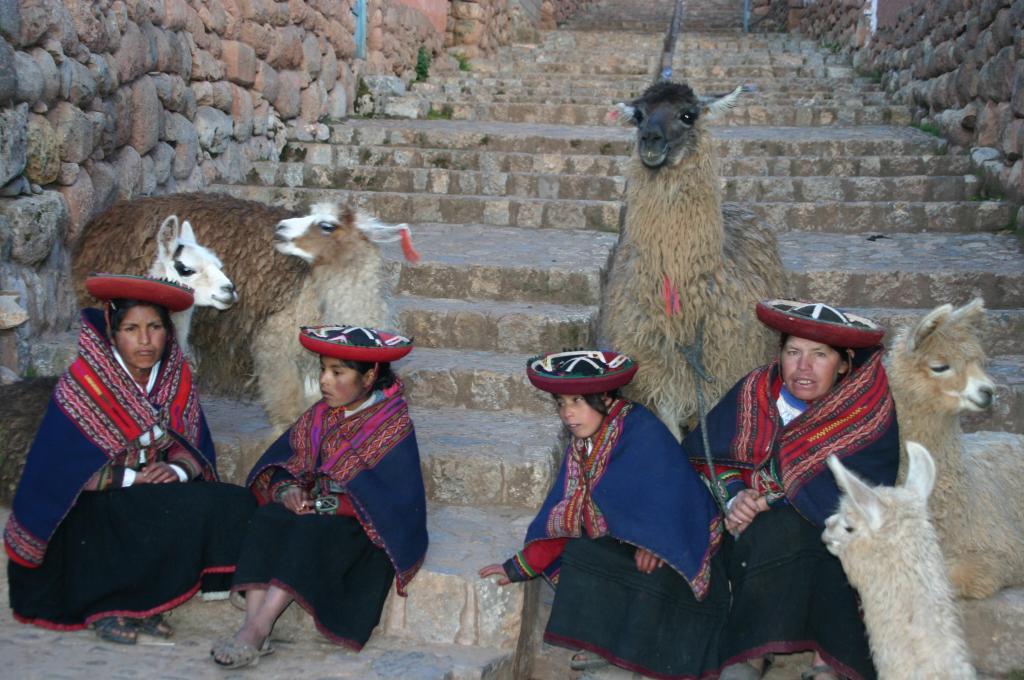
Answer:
(354, 343)
(588, 371)
(820, 322)
(173, 296)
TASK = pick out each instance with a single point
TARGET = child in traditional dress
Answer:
(343, 509)
(628, 534)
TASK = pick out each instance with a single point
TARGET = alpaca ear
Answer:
(920, 471)
(973, 312)
(719, 105)
(622, 113)
(187, 235)
(927, 325)
(861, 496)
(166, 235)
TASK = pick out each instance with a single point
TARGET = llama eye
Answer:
(182, 269)
(940, 368)
(686, 117)
(327, 227)
(849, 529)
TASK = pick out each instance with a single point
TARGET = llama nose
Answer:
(985, 395)
(652, 137)
(229, 288)
(279, 231)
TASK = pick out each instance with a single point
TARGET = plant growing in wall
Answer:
(422, 64)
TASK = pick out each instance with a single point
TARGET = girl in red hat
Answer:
(768, 440)
(343, 509)
(628, 534)
(110, 525)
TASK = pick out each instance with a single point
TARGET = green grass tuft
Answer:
(463, 60)
(444, 114)
(423, 61)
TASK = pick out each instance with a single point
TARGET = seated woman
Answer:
(628, 534)
(118, 515)
(343, 506)
(769, 438)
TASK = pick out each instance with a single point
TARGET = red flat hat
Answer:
(354, 343)
(173, 296)
(580, 371)
(820, 322)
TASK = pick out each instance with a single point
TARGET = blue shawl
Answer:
(643, 492)
(373, 454)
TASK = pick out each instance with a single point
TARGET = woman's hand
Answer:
(297, 500)
(646, 561)
(156, 473)
(744, 508)
(495, 570)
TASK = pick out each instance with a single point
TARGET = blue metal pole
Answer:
(360, 12)
(746, 16)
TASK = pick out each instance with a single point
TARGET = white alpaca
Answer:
(937, 371)
(180, 259)
(890, 552)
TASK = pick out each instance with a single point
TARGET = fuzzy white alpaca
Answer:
(936, 372)
(181, 259)
(890, 552)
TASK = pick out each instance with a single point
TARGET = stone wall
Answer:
(478, 27)
(960, 62)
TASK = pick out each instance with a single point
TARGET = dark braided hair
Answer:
(385, 376)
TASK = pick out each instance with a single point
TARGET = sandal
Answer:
(117, 629)
(156, 626)
(241, 654)
(585, 661)
(813, 672)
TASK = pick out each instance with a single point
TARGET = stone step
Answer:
(494, 326)
(482, 262)
(447, 603)
(642, 67)
(886, 217)
(595, 85)
(407, 207)
(470, 159)
(910, 271)
(502, 95)
(1002, 333)
(750, 114)
(444, 181)
(484, 381)
(464, 454)
(903, 189)
(848, 166)
(826, 142)
(683, 57)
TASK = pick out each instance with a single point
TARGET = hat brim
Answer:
(588, 385)
(828, 332)
(174, 297)
(379, 355)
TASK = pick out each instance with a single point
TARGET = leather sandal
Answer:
(117, 629)
(156, 626)
(239, 654)
(586, 661)
(813, 672)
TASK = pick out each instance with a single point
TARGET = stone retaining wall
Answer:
(478, 27)
(961, 62)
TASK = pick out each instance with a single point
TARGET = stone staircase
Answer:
(515, 203)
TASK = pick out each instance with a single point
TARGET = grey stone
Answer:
(128, 166)
(68, 174)
(30, 78)
(13, 141)
(983, 154)
(391, 86)
(43, 153)
(147, 115)
(10, 19)
(411, 106)
(213, 128)
(104, 183)
(8, 73)
(50, 74)
(163, 157)
(148, 176)
(337, 104)
(74, 132)
(35, 223)
(16, 187)
(77, 83)
(182, 133)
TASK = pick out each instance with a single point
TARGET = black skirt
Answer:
(326, 563)
(133, 552)
(791, 595)
(648, 623)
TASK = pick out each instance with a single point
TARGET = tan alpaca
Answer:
(683, 261)
(891, 554)
(937, 372)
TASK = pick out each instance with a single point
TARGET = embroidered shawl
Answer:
(635, 485)
(856, 421)
(97, 415)
(372, 454)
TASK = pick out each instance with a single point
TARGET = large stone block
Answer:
(997, 76)
(13, 141)
(213, 128)
(147, 115)
(182, 133)
(36, 223)
(81, 204)
(10, 19)
(1017, 91)
(239, 62)
(133, 57)
(128, 167)
(43, 152)
(288, 101)
(50, 74)
(241, 113)
(77, 83)
(104, 183)
(286, 48)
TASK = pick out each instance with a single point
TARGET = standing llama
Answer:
(687, 272)
(891, 554)
(936, 372)
(291, 269)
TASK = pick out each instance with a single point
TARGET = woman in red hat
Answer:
(343, 509)
(768, 440)
(628, 534)
(107, 527)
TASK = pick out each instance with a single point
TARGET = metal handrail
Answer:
(669, 49)
(746, 16)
